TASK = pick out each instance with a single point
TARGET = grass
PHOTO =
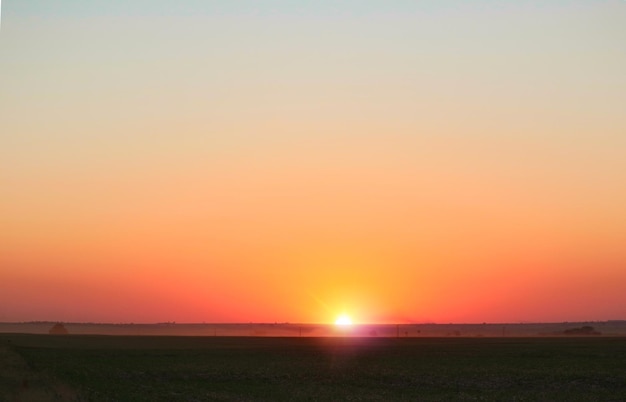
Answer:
(105, 368)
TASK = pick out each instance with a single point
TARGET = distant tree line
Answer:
(585, 330)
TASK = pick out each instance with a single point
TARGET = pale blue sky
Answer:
(274, 7)
(545, 72)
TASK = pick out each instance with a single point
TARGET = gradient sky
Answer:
(237, 161)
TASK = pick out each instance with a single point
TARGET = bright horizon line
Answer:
(305, 323)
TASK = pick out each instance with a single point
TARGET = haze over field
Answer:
(395, 161)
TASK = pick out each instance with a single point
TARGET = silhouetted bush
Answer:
(58, 329)
(585, 330)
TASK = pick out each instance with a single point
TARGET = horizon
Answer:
(328, 324)
(386, 161)
(615, 328)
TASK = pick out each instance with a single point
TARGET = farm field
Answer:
(164, 368)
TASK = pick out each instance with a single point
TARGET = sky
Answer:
(289, 161)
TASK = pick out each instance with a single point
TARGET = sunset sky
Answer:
(289, 161)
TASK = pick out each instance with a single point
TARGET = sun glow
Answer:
(343, 320)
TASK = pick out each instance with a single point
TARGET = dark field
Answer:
(120, 368)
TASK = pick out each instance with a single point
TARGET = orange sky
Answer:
(400, 163)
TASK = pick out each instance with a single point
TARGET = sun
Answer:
(343, 320)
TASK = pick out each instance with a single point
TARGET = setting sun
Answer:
(343, 320)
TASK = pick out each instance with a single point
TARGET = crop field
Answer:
(160, 368)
